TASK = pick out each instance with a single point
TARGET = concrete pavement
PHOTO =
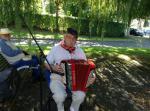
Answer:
(133, 42)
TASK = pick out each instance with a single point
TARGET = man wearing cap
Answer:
(65, 50)
(14, 55)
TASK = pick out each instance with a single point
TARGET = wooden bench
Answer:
(11, 80)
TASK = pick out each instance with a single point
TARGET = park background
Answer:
(123, 73)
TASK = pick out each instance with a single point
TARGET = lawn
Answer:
(98, 51)
(46, 34)
(93, 51)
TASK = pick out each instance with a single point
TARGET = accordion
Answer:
(77, 73)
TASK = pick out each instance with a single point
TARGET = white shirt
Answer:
(58, 54)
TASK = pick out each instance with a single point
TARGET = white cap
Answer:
(5, 31)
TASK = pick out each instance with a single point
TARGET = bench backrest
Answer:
(5, 72)
(3, 63)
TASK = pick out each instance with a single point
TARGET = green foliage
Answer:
(47, 22)
(143, 10)
(89, 17)
(11, 9)
(51, 7)
(6, 13)
(72, 8)
(114, 29)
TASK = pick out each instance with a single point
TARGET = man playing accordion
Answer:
(65, 50)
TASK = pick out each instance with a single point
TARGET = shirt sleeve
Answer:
(8, 50)
(50, 56)
(82, 54)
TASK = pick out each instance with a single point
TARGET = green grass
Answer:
(35, 49)
(46, 34)
(98, 51)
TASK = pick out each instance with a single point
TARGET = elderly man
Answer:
(15, 56)
(65, 50)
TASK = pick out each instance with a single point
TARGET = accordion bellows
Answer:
(77, 73)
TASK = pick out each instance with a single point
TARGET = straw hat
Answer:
(5, 31)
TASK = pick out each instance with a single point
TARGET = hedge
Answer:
(47, 22)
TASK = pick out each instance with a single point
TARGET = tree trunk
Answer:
(129, 16)
(57, 15)
(43, 6)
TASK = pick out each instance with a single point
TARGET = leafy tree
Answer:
(97, 13)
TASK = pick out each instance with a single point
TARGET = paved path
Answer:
(135, 42)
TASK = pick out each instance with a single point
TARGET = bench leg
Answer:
(2, 106)
(50, 104)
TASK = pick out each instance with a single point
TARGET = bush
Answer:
(114, 29)
(47, 22)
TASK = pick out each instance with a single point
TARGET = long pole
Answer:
(44, 57)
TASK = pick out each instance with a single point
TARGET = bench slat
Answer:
(3, 63)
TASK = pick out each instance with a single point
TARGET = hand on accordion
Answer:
(91, 78)
(57, 68)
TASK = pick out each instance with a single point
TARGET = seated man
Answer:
(15, 56)
(65, 50)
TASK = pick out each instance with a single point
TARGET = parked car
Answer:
(147, 31)
(136, 32)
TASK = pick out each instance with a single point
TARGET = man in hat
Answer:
(65, 50)
(15, 56)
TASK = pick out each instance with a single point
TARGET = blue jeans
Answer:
(33, 63)
(47, 74)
